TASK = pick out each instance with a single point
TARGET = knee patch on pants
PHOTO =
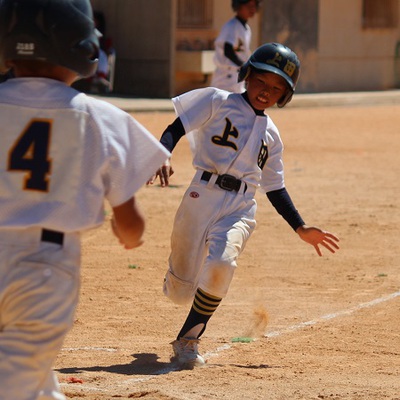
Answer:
(217, 277)
(178, 290)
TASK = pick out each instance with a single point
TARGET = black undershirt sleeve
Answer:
(283, 204)
(230, 53)
(172, 134)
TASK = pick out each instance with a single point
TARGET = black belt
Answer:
(225, 181)
(52, 237)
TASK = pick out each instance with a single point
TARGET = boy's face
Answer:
(247, 10)
(265, 89)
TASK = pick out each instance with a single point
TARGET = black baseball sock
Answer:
(203, 308)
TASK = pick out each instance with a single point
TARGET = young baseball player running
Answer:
(232, 46)
(236, 150)
(61, 154)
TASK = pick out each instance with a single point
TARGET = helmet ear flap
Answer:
(285, 98)
(244, 71)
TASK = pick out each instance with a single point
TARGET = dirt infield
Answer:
(333, 322)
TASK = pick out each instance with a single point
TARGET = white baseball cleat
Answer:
(186, 353)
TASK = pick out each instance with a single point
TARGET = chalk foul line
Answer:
(272, 334)
(333, 315)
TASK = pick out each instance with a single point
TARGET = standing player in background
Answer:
(232, 46)
(61, 154)
(237, 149)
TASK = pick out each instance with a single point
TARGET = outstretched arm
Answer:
(169, 140)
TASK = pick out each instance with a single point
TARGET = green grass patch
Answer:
(242, 339)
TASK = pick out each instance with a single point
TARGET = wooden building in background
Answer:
(165, 47)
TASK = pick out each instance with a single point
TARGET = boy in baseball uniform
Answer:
(61, 153)
(236, 149)
(232, 46)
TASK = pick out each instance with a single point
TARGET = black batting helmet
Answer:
(278, 59)
(237, 3)
(61, 32)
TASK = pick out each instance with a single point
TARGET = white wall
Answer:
(350, 58)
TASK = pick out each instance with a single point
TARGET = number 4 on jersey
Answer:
(30, 153)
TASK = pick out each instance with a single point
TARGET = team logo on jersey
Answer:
(262, 155)
(194, 195)
(224, 139)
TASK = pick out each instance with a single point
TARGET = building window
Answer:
(380, 14)
(195, 13)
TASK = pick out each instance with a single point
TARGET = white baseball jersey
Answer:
(226, 72)
(227, 137)
(63, 152)
(212, 225)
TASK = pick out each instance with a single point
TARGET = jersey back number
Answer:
(30, 153)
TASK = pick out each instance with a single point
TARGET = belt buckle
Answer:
(227, 182)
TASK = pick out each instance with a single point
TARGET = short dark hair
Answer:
(237, 3)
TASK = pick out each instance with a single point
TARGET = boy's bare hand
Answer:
(164, 172)
(317, 237)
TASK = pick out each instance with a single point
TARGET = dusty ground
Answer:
(334, 322)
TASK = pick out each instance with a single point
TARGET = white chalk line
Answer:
(272, 334)
(89, 349)
(333, 315)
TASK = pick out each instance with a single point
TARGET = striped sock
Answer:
(203, 307)
(205, 303)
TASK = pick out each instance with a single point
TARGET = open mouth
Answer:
(262, 99)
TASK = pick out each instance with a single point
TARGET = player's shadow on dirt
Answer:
(144, 364)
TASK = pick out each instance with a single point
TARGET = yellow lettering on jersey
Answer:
(224, 139)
